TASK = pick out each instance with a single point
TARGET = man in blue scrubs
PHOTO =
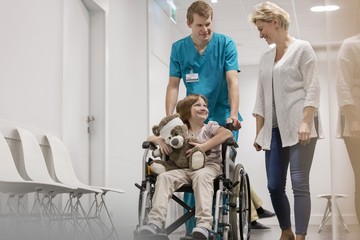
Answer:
(208, 64)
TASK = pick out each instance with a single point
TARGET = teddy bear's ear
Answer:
(176, 115)
(155, 130)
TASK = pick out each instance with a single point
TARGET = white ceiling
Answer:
(320, 29)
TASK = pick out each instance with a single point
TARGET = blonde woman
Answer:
(286, 107)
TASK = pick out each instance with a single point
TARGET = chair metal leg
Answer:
(340, 218)
(327, 215)
(329, 210)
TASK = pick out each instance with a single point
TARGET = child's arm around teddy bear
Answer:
(158, 140)
(222, 134)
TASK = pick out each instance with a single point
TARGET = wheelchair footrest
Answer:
(153, 237)
(190, 238)
(186, 238)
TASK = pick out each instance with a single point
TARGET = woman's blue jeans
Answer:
(278, 159)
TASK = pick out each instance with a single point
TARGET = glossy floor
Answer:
(326, 233)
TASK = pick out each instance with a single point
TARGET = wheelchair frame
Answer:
(232, 215)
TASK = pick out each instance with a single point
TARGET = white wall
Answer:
(43, 72)
(31, 60)
(162, 33)
(127, 106)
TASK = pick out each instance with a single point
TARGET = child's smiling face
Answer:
(199, 110)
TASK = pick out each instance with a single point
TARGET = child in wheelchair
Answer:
(193, 112)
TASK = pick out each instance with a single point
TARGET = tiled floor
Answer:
(325, 234)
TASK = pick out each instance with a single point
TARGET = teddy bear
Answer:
(175, 134)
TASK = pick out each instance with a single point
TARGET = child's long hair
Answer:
(183, 107)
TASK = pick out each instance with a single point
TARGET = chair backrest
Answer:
(33, 160)
(8, 170)
(61, 161)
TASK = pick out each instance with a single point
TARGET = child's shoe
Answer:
(149, 229)
(200, 233)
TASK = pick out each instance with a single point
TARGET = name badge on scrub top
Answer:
(192, 77)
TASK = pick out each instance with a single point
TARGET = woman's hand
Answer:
(259, 125)
(257, 146)
(355, 129)
(305, 126)
(304, 133)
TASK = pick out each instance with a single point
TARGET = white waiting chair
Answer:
(12, 184)
(10, 180)
(33, 167)
(65, 173)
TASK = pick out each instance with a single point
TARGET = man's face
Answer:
(201, 28)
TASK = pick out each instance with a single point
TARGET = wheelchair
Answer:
(231, 218)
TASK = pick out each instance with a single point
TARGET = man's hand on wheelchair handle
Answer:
(233, 124)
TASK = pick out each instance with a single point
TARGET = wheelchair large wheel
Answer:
(240, 215)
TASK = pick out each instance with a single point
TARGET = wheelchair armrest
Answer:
(148, 145)
(228, 154)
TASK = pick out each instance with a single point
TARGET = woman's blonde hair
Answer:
(267, 12)
(201, 8)
(183, 107)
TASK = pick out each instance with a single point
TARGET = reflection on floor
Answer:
(325, 234)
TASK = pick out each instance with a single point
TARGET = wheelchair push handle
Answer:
(230, 141)
(229, 126)
(148, 145)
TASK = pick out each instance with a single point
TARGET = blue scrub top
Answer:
(219, 57)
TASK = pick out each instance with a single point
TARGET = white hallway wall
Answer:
(31, 60)
(162, 33)
(36, 70)
(127, 100)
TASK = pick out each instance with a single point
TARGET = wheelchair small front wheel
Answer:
(240, 216)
